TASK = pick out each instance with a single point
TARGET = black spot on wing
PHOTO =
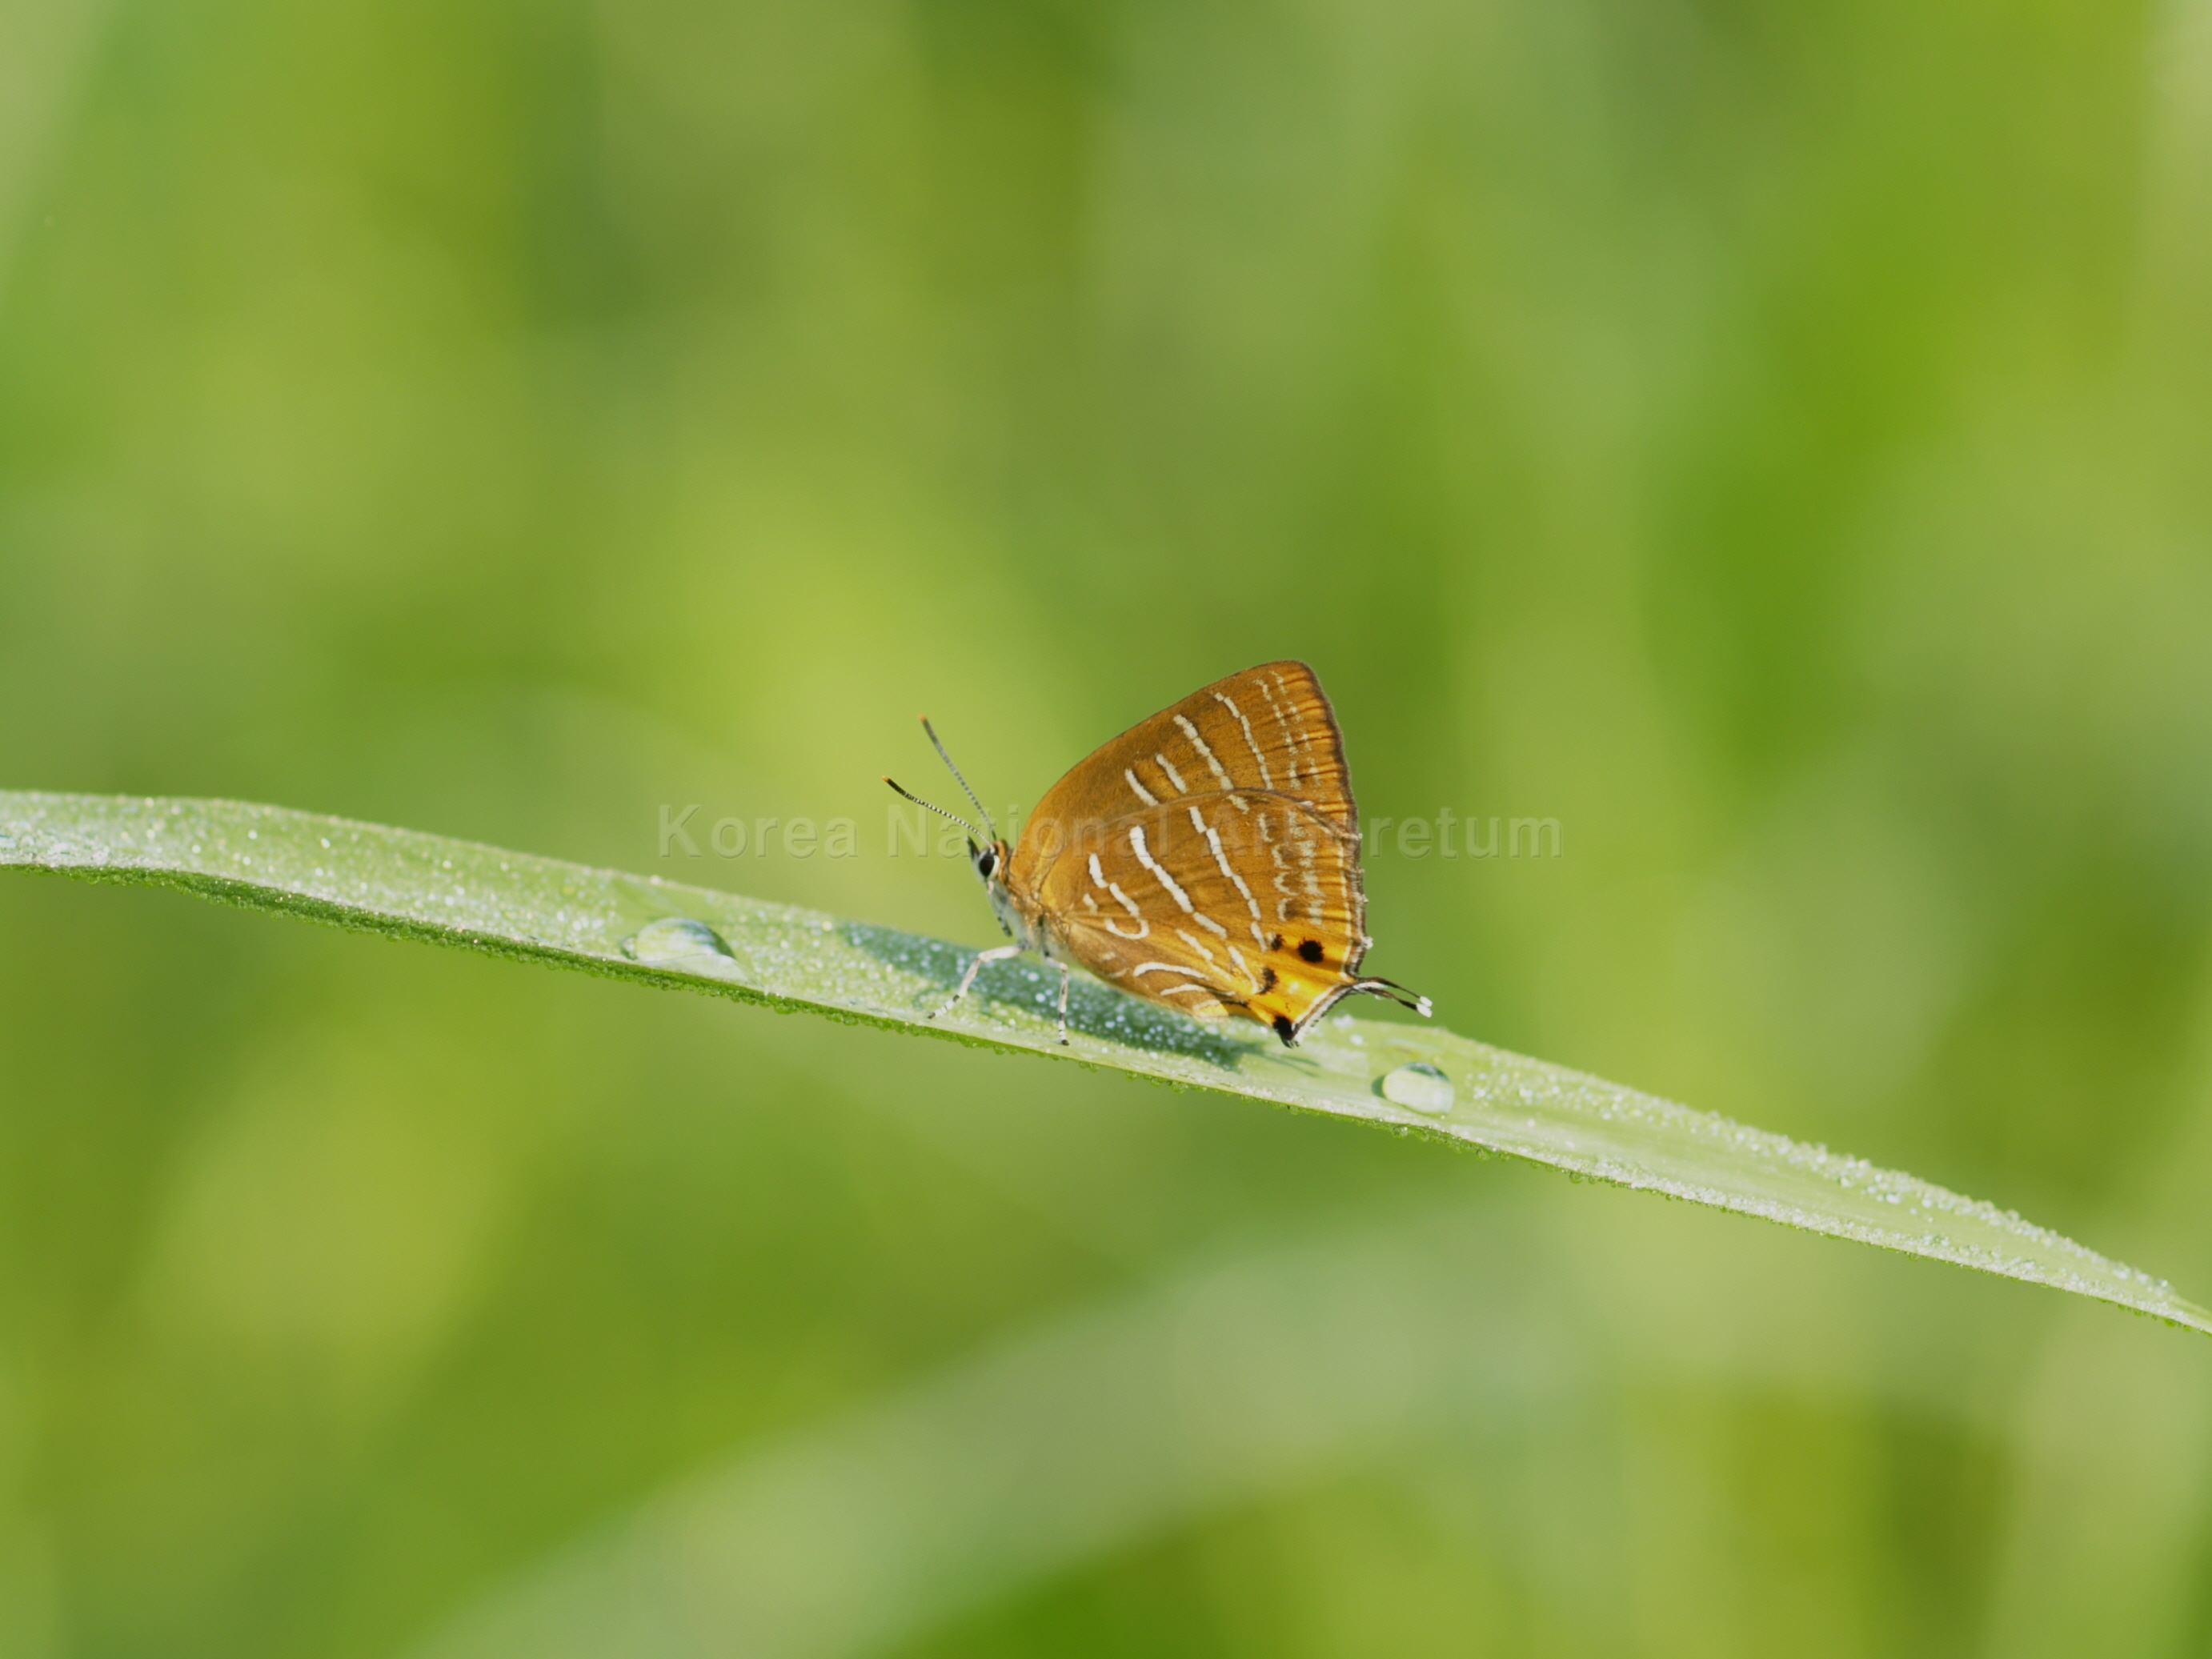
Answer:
(1310, 949)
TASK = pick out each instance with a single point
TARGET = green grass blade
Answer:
(409, 885)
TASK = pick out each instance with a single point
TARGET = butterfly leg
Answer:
(968, 979)
(1063, 1005)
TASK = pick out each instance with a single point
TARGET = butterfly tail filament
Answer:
(1397, 993)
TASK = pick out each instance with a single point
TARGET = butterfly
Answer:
(1207, 859)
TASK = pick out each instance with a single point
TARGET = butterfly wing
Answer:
(1218, 904)
(1208, 858)
(1268, 730)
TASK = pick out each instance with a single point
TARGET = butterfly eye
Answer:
(987, 861)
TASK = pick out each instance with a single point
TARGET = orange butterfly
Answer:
(1207, 859)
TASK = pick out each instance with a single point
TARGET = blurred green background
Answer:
(1768, 437)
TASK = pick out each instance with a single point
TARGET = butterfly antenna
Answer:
(982, 811)
(935, 808)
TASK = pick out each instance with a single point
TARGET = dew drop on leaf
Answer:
(675, 942)
(1419, 1086)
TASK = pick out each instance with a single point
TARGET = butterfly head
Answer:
(986, 850)
(990, 861)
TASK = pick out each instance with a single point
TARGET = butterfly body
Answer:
(1207, 859)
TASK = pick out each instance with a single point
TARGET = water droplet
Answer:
(1421, 1087)
(678, 942)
